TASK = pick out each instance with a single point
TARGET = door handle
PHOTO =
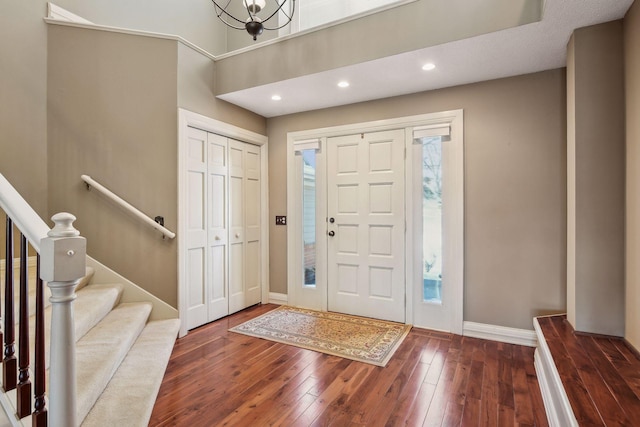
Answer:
(332, 220)
(332, 233)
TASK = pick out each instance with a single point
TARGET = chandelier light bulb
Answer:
(254, 6)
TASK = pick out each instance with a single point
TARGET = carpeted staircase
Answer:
(121, 354)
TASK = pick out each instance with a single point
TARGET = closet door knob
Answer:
(237, 235)
(217, 237)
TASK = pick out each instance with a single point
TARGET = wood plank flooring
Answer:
(219, 378)
(601, 375)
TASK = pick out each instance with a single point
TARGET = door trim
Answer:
(453, 117)
(188, 119)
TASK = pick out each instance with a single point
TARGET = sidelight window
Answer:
(309, 216)
(432, 219)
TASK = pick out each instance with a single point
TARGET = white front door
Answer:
(366, 214)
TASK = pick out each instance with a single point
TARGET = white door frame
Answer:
(453, 118)
(188, 119)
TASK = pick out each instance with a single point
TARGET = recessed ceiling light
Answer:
(276, 97)
(429, 66)
(343, 84)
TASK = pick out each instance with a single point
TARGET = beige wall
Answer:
(23, 73)
(515, 189)
(193, 20)
(23, 120)
(422, 24)
(196, 74)
(597, 162)
(23, 107)
(112, 115)
(632, 89)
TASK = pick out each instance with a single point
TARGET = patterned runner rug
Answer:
(356, 338)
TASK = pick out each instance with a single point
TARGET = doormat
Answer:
(356, 338)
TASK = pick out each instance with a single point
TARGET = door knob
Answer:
(332, 220)
(237, 235)
(332, 233)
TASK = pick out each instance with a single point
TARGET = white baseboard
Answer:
(500, 333)
(276, 298)
(556, 402)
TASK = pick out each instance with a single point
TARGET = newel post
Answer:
(63, 258)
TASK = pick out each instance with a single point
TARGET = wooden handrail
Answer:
(127, 206)
(22, 215)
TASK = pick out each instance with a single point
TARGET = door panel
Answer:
(217, 236)
(236, 276)
(366, 200)
(195, 280)
(245, 233)
(197, 310)
(236, 239)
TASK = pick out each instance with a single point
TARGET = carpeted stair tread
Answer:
(130, 395)
(100, 352)
(91, 304)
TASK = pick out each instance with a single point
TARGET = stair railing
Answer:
(158, 224)
(61, 257)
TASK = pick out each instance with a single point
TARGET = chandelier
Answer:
(249, 19)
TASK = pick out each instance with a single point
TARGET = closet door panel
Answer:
(252, 281)
(237, 300)
(252, 224)
(236, 282)
(217, 236)
(252, 156)
(196, 238)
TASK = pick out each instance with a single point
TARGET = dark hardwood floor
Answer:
(600, 375)
(219, 378)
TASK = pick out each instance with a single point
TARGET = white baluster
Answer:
(63, 259)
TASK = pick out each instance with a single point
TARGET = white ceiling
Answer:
(520, 50)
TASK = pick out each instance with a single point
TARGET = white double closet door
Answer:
(223, 239)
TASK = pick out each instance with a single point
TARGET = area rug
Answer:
(356, 338)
